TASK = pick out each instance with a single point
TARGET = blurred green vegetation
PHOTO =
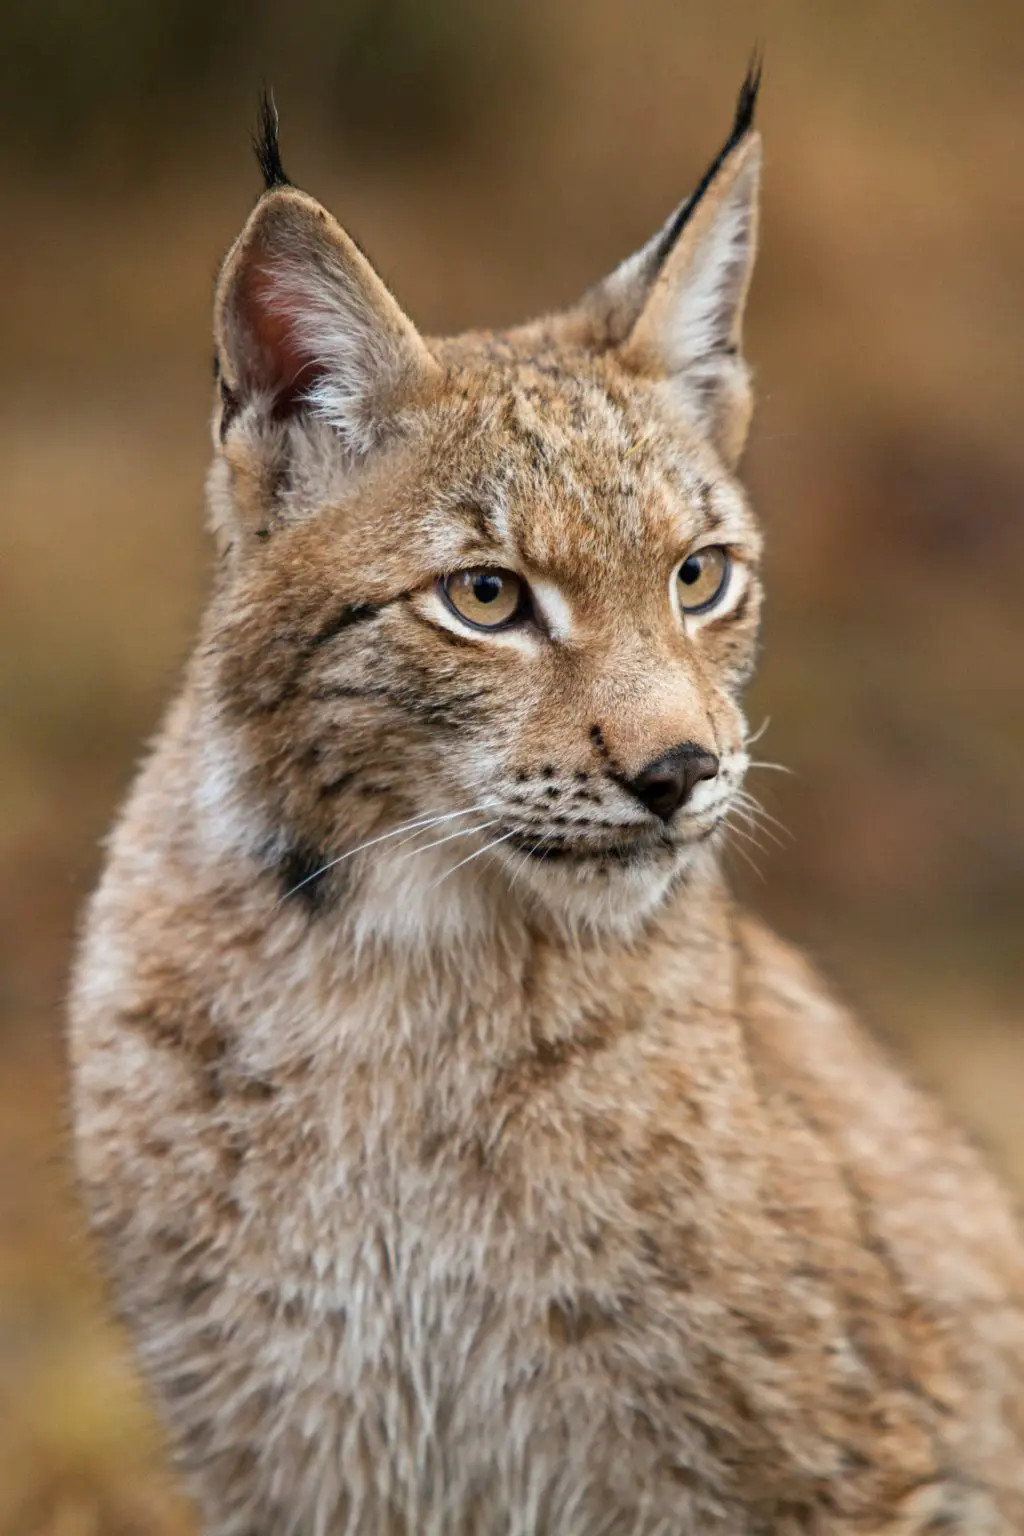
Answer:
(495, 160)
(398, 75)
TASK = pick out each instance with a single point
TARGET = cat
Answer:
(464, 1160)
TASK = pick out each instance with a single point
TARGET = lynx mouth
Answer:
(619, 853)
(643, 848)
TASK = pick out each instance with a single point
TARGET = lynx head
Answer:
(486, 603)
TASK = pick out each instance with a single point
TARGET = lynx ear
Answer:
(303, 323)
(674, 310)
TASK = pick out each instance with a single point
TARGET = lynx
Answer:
(465, 1162)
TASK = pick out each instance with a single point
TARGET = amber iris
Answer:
(487, 599)
(703, 578)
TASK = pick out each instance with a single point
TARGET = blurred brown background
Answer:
(494, 160)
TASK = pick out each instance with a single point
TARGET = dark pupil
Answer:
(486, 588)
(690, 570)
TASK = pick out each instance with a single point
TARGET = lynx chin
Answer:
(464, 1161)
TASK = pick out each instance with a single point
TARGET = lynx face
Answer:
(486, 604)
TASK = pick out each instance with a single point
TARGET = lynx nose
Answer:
(667, 782)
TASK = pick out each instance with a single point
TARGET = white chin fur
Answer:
(426, 902)
(581, 899)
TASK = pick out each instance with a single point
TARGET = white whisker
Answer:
(765, 723)
(461, 832)
(757, 816)
(421, 823)
(743, 854)
(470, 857)
(747, 836)
(525, 857)
(435, 821)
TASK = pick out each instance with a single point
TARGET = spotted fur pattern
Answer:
(464, 1161)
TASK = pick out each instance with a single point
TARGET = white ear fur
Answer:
(696, 309)
(690, 326)
(358, 366)
(303, 323)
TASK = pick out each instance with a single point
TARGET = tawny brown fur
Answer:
(522, 1194)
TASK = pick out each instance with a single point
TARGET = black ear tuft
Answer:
(265, 145)
(741, 126)
(747, 101)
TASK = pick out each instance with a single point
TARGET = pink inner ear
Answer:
(278, 363)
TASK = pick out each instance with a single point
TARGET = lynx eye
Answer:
(486, 598)
(702, 578)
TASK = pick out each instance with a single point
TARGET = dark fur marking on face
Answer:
(450, 714)
(739, 613)
(302, 877)
(335, 786)
(343, 618)
(480, 520)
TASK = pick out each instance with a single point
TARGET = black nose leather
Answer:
(668, 782)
